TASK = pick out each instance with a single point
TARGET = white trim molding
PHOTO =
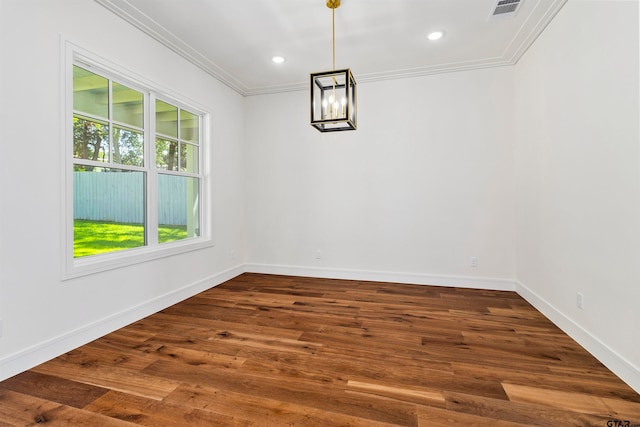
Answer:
(489, 283)
(620, 366)
(30, 357)
(26, 359)
(518, 45)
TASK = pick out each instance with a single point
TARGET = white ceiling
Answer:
(378, 39)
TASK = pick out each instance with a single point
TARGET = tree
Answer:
(90, 140)
(128, 147)
(166, 154)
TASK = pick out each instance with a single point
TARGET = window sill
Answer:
(85, 266)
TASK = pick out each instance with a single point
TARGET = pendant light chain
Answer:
(333, 35)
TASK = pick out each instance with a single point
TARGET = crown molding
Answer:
(165, 37)
(522, 40)
(516, 48)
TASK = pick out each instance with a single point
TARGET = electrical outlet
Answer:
(318, 254)
(579, 300)
(233, 253)
(0, 327)
(473, 261)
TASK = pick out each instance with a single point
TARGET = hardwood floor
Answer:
(264, 350)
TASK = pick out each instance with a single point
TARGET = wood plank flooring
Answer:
(266, 350)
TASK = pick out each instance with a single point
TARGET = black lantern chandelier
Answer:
(333, 93)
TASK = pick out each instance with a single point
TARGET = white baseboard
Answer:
(612, 360)
(386, 276)
(620, 366)
(28, 358)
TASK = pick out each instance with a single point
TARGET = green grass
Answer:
(97, 237)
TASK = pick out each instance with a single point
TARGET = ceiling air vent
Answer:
(505, 8)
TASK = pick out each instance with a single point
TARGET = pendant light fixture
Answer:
(333, 93)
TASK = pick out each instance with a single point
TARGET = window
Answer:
(136, 165)
(177, 142)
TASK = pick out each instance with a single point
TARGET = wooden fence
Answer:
(119, 197)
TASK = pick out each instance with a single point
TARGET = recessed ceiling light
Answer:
(436, 35)
(278, 59)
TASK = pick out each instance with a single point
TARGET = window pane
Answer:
(108, 210)
(166, 119)
(90, 140)
(189, 126)
(166, 154)
(178, 208)
(127, 105)
(90, 93)
(128, 147)
(188, 158)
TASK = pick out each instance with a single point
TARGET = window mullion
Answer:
(110, 113)
(201, 156)
(152, 173)
(179, 141)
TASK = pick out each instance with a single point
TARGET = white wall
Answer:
(425, 183)
(578, 178)
(42, 315)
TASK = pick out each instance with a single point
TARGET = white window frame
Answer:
(77, 267)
